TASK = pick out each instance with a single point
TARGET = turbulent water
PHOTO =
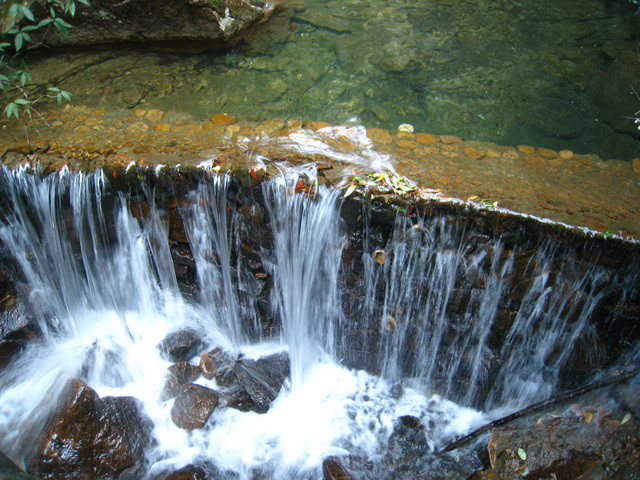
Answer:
(106, 297)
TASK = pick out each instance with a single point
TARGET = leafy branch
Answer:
(19, 28)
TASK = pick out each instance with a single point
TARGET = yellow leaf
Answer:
(472, 197)
(382, 176)
(588, 417)
(626, 418)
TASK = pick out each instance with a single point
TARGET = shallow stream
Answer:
(553, 74)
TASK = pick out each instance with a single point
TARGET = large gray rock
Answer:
(177, 23)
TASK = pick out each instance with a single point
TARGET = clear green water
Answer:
(546, 73)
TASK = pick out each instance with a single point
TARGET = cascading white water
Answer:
(309, 238)
(101, 283)
(106, 298)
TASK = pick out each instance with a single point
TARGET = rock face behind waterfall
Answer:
(208, 23)
(88, 437)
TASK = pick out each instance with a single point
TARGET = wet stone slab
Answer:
(581, 190)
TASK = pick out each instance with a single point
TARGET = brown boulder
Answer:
(87, 437)
(178, 375)
(193, 406)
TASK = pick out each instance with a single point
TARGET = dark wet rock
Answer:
(262, 378)
(190, 472)
(238, 398)
(407, 442)
(183, 23)
(586, 437)
(10, 471)
(216, 364)
(180, 346)
(178, 375)
(574, 467)
(87, 437)
(193, 406)
(333, 469)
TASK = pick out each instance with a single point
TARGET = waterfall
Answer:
(308, 246)
(440, 311)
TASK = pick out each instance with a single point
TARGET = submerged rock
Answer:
(193, 406)
(203, 23)
(180, 346)
(87, 437)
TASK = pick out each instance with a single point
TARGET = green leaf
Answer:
(52, 12)
(62, 26)
(522, 454)
(66, 95)
(24, 78)
(27, 12)
(85, 2)
(53, 89)
(21, 101)
(12, 109)
(45, 22)
(61, 22)
(18, 41)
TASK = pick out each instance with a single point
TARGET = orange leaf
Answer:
(299, 185)
(252, 172)
(115, 175)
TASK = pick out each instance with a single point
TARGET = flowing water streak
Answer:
(211, 223)
(308, 239)
(428, 262)
(553, 315)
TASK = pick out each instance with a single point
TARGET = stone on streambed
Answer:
(86, 437)
(193, 406)
(180, 346)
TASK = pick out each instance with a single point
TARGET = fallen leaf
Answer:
(379, 256)
(252, 172)
(626, 418)
(472, 197)
(115, 175)
(389, 323)
(522, 454)
(349, 191)
(382, 177)
(588, 417)
(299, 185)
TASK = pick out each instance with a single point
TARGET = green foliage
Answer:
(20, 28)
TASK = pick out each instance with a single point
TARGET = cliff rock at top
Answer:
(173, 23)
